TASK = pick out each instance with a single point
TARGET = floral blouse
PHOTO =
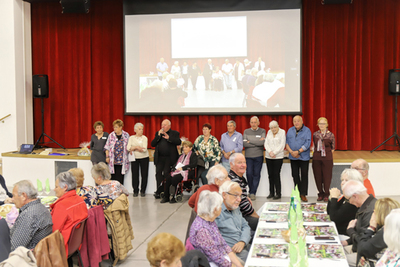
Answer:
(107, 193)
(389, 259)
(111, 147)
(210, 151)
(88, 193)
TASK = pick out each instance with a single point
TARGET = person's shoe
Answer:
(142, 194)
(157, 196)
(277, 197)
(326, 199)
(270, 196)
(164, 200)
(320, 198)
(252, 197)
(303, 198)
(135, 194)
(172, 201)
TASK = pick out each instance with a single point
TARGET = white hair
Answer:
(216, 172)
(354, 187)
(268, 77)
(66, 179)
(273, 124)
(138, 125)
(255, 117)
(208, 202)
(391, 235)
(26, 187)
(233, 157)
(227, 186)
(352, 174)
(101, 170)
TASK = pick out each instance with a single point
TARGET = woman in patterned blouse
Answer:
(204, 233)
(207, 147)
(88, 193)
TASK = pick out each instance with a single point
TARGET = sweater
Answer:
(253, 145)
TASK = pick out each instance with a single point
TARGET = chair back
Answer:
(76, 237)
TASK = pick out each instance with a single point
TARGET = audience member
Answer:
(238, 169)
(87, 193)
(266, 93)
(97, 143)
(137, 145)
(8, 194)
(340, 211)
(207, 148)
(253, 142)
(227, 70)
(322, 164)
(231, 224)
(274, 146)
(165, 154)
(238, 73)
(207, 74)
(116, 152)
(69, 209)
(161, 68)
(165, 250)
(391, 257)
(34, 220)
(204, 233)
(298, 141)
(5, 243)
(174, 96)
(363, 167)
(231, 142)
(182, 170)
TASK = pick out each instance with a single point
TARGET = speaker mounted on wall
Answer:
(394, 82)
(75, 6)
(40, 86)
(335, 2)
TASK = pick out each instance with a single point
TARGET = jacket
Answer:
(20, 257)
(173, 141)
(118, 219)
(50, 251)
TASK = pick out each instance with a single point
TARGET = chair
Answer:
(75, 240)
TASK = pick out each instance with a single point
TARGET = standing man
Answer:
(227, 70)
(161, 68)
(207, 73)
(253, 142)
(238, 70)
(165, 154)
(298, 141)
(231, 142)
(259, 65)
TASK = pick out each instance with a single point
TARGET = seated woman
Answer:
(204, 233)
(186, 161)
(371, 245)
(69, 209)
(87, 193)
(391, 257)
(107, 190)
(340, 211)
(165, 250)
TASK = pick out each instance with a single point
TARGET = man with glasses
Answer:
(231, 224)
(363, 167)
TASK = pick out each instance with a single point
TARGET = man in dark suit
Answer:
(207, 74)
(166, 154)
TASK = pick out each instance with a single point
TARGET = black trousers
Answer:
(171, 180)
(117, 175)
(300, 175)
(163, 168)
(143, 164)
(274, 167)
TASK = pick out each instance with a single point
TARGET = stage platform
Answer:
(384, 170)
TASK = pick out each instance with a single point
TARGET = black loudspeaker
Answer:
(394, 82)
(75, 6)
(333, 2)
(40, 86)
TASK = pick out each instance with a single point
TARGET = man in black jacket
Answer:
(166, 152)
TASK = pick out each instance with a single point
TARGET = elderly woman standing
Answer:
(207, 147)
(204, 233)
(106, 189)
(97, 143)
(69, 209)
(87, 193)
(322, 164)
(138, 146)
(274, 145)
(116, 152)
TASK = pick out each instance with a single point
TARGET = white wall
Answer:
(15, 75)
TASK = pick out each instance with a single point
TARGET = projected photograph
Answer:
(226, 62)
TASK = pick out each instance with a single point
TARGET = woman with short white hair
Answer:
(204, 233)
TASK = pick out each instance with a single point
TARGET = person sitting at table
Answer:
(204, 233)
(69, 209)
(107, 190)
(340, 211)
(9, 195)
(165, 250)
(391, 257)
(87, 193)
(34, 220)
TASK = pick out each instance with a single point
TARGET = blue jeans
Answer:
(253, 173)
(228, 80)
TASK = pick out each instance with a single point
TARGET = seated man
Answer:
(238, 167)
(231, 224)
(34, 220)
(362, 167)
(69, 209)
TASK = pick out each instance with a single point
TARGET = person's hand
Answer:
(372, 222)
(251, 203)
(295, 154)
(344, 243)
(179, 169)
(131, 152)
(8, 201)
(262, 138)
(108, 160)
(334, 192)
(352, 224)
(226, 155)
(166, 136)
(238, 247)
(248, 142)
(271, 154)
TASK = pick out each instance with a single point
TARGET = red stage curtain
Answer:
(347, 51)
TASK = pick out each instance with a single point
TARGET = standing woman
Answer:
(138, 146)
(207, 147)
(97, 143)
(116, 152)
(322, 164)
(274, 145)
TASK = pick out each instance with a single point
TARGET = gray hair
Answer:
(26, 187)
(167, 120)
(216, 172)
(273, 124)
(254, 70)
(227, 186)
(233, 157)
(352, 174)
(391, 236)
(66, 179)
(208, 202)
(255, 117)
(101, 170)
(138, 125)
(231, 121)
(268, 77)
(354, 187)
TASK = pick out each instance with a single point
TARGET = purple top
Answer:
(205, 236)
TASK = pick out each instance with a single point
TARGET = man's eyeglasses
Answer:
(235, 196)
(348, 199)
